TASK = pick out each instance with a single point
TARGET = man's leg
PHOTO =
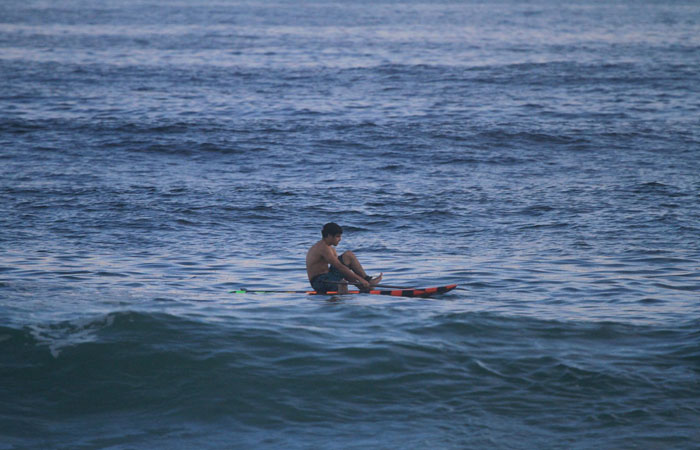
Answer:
(349, 259)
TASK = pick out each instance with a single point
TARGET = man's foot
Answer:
(376, 280)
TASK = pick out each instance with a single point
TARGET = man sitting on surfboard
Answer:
(322, 254)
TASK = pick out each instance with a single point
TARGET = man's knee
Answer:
(346, 258)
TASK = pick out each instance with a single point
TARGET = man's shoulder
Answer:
(318, 247)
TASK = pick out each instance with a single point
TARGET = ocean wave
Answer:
(120, 336)
(249, 372)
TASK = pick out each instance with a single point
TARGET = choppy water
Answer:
(153, 157)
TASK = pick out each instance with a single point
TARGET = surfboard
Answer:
(412, 292)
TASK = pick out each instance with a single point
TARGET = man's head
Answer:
(331, 229)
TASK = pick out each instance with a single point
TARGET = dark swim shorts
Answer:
(324, 282)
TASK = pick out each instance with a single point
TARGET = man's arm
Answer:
(345, 270)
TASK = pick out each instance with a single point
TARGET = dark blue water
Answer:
(544, 156)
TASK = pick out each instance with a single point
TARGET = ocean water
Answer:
(544, 155)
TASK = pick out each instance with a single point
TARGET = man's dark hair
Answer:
(331, 229)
